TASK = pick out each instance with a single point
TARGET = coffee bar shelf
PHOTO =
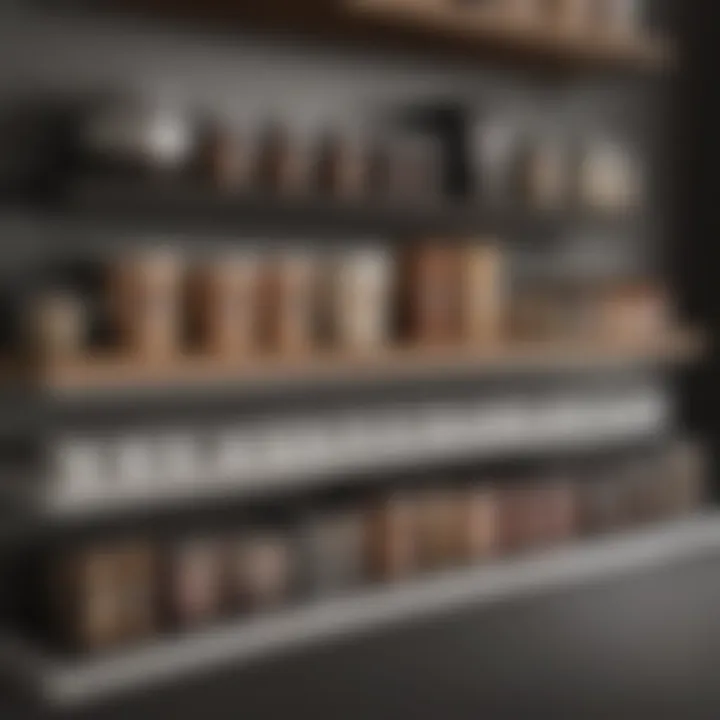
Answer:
(438, 28)
(116, 376)
(73, 683)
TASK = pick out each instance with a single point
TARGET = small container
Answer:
(137, 570)
(406, 168)
(438, 529)
(344, 166)
(685, 472)
(287, 162)
(603, 506)
(104, 596)
(483, 294)
(521, 519)
(334, 542)
(289, 294)
(58, 326)
(479, 524)
(193, 583)
(230, 160)
(634, 313)
(545, 175)
(559, 512)
(362, 289)
(622, 17)
(225, 306)
(609, 178)
(145, 294)
(261, 570)
(495, 145)
(392, 548)
(86, 599)
(433, 294)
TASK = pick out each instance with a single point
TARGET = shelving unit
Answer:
(113, 212)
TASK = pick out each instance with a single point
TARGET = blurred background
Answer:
(357, 358)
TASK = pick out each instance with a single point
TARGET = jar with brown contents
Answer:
(478, 524)
(344, 166)
(145, 293)
(193, 583)
(483, 288)
(261, 570)
(438, 528)
(392, 551)
(229, 160)
(224, 300)
(286, 163)
(289, 296)
(433, 294)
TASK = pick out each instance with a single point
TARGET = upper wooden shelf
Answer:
(91, 376)
(474, 28)
(432, 27)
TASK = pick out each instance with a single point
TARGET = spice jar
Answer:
(261, 570)
(145, 294)
(136, 569)
(433, 294)
(483, 290)
(58, 326)
(225, 306)
(193, 582)
(344, 166)
(478, 524)
(392, 552)
(290, 291)
(87, 599)
(559, 512)
(406, 168)
(286, 162)
(229, 159)
(438, 528)
(634, 313)
(360, 299)
(334, 543)
(608, 177)
(618, 16)
(545, 175)
(521, 519)
(603, 506)
(686, 476)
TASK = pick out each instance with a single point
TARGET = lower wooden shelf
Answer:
(74, 682)
(108, 374)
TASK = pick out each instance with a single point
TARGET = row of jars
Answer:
(110, 592)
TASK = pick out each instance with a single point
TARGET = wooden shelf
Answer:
(427, 27)
(117, 374)
(478, 26)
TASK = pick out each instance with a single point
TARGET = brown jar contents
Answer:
(634, 313)
(559, 509)
(229, 160)
(521, 521)
(569, 15)
(545, 176)
(344, 167)
(58, 326)
(483, 289)
(225, 306)
(392, 552)
(286, 163)
(289, 295)
(145, 294)
(193, 583)
(438, 529)
(478, 523)
(104, 596)
(260, 571)
(686, 477)
(334, 544)
(406, 169)
(433, 294)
